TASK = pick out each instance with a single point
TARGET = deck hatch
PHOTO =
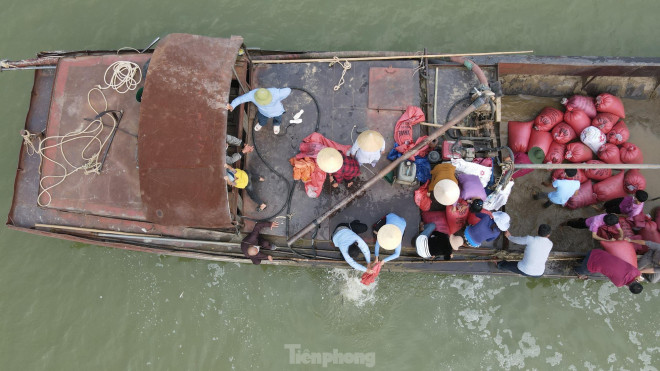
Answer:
(391, 88)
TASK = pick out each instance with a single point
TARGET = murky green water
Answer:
(66, 306)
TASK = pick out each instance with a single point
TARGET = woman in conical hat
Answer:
(338, 167)
(389, 235)
(368, 147)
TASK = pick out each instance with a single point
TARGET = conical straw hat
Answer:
(446, 192)
(389, 236)
(329, 160)
(370, 141)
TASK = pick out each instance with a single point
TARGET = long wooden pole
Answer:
(351, 59)
(412, 152)
(587, 166)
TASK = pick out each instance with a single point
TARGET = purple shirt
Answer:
(598, 221)
(629, 207)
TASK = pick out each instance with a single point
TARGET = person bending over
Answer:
(253, 243)
(389, 235)
(629, 206)
(537, 249)
(618, 271)
(596, 222)
(351, 245)
(564, 190)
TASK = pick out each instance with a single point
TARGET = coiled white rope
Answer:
(122, 79)
(346, 66)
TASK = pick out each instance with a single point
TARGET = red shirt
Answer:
(349, 170)
(618, 271)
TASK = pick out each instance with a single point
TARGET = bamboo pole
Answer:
(455, 127)
(352, 59)
(587, 166)
(413, 151)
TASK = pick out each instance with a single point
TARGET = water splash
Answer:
(351, 289)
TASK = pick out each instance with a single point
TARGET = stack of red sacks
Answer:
(572, 136)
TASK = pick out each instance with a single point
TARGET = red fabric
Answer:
(634, 181)
(548, 118)
(521, 158)
(369, 278)
(348, 170)
(609, 103)
(309, 148)
(609, 153)
(555, 153)
(519, 133)
(656, 218)
(631, 154)
(314, 142)
(617, 270)
(623, 250)
(619, 133)
(611, 231)
(585, 197)
(581, 103)
(422, 199)
(578, 152)
(640, 221)
(483, 161)
(563, 133)
(561, 174)
(650, 232)
(472, 219)
(597, 174)
(610, 188)
(578, 120)
(457, 216)
(541, 139)
(605, 121)
(403, 131)
(438, 218)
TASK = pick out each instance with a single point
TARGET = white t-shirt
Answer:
(536, 253)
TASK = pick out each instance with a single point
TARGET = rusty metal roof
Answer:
(183, 122)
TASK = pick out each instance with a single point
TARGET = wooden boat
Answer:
(161, 188)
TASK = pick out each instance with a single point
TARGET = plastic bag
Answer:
(609, 103)
(471, 187)
(422, 199)
(483, 172)
(519, 133)
(609, 153)
(563, 133)
(597, 174)
(457, 216)
(593, 138)
(548, 118)
(631, 154)
(555, 153)
(619, 134)
(610, 188)
(585, 197)
(578, 152)
(634, 181)
(582, 103)
(499, 198)
(578, 120)
(438, 218)
(605, 121)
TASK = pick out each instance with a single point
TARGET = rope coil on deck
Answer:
(346, 66)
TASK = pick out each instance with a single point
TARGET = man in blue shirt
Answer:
(564, 190)
(350, 245)
(269, 105)
(389, 236)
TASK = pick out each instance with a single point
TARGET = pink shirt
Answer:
(618, 271)
(630, 208)
(597, 221)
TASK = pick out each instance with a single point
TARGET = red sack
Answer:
(631, 154)
(597, 174)
(578, 152)
(623, 250)
(472, 219)
(519, 133)
(610, 188)
(438, 218)
(650, 232)
(585, 197)
(521, 158)
(548, 118)
(634, 181)
(563, 133)
(640, 220)
(555, 153)
(578, 120)
(457, 215)
(539, 143)
(582, 103)
(611, 231)
(609, 153)
(422, 199)
(605, 121)
(609, 103)
(656, 218)
(561, 174)
(619, 134)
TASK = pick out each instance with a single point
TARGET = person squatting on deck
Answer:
(487, 229)
(431, 243)
(350, 244)
(596, 222)
(233, 141)
(649, 263)
(242, 179)
(389, 232)
(564, 190)
(629, 206)
(338, 167)
(537, 249)
(368, 147)
(618, 271)
(253, 243)
(269, 105)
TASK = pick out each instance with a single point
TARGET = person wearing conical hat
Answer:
(339, 167)
(368, 147)
(269, 105)
(389, 235)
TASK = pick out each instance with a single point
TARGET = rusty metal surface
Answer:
(183, 129)
(391, 88)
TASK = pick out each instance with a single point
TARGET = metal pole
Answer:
(587, 166)
(413, 151)
(352, 59)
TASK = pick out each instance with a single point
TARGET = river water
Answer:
(67, 306)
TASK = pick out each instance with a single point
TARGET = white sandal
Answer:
(257, 127)
(276, 129)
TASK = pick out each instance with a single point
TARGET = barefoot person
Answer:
(618, 271)
(253, 243)
(338, 167)
(537, 249)
(269, 105)
(242, 179)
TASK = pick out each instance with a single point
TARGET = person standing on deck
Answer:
(596, 222)
(368, 147)
(253, 243)
(233, 141)
(389, 235)
(629, 206)
(487, 229)
(537, 249)
(564, 190)
(350, 245)
(242, 179)
(269, 105)
(617, 270)
(338, 167)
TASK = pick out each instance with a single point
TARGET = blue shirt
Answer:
(485, 230)
(273, 109)
(564, 189)
(344, 238)
(398, 221)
